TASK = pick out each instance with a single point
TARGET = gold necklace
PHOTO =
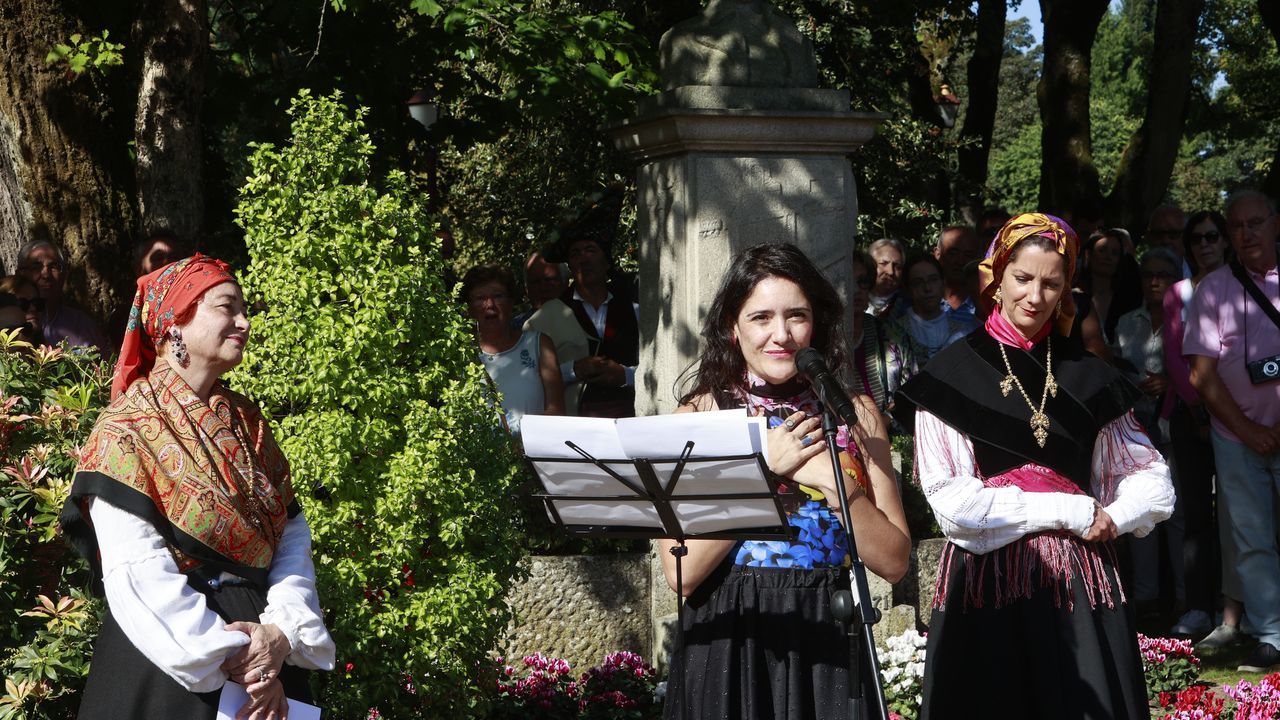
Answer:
(1039, 421)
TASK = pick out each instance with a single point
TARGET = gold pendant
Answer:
(1040, 427)
(1052, 385)
(1006, 385)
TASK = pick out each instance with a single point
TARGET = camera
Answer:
(1265, 370)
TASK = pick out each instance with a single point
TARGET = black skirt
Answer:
(1015, 636)
(124, 685)
(761, 644)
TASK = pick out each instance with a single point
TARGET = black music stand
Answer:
(643, 498)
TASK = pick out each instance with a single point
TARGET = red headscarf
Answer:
(162, 296)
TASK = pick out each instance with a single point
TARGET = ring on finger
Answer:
(791, 424)
(806, 441)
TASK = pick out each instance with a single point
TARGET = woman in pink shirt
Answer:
(1205, 247)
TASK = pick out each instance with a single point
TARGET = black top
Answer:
(961, 386)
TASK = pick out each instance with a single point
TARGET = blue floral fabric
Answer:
(819, 542)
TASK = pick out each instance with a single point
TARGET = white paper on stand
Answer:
(234, 697)
(585, 495)
(544, 437)
(714, 434)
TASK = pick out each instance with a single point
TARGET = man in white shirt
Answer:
(598, 349)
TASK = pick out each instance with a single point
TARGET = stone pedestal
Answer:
(741, 148)
(723, 167)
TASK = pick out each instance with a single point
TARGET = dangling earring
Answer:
(999, 300)
(1057, 311)
(178, 347)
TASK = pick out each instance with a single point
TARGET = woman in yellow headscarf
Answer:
(1033, 464)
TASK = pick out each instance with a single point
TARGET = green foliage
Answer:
(398, 457)
(1232, 131)
(49, 400)
(82, 53)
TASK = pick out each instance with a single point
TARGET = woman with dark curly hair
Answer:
(759, 637)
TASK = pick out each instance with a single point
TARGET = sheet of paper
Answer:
(615, 514)
(234, 697)
(544, 437)
(716, 477)
(576, 478)
(714, 434)
(706, 516)
(758, 427)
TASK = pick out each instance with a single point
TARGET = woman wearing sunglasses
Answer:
(1206, 249)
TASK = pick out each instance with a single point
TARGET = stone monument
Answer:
(740, 148)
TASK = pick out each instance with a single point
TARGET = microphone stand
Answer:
(844, 606)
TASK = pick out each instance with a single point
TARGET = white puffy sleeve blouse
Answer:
(1130, 479)
(169, 622)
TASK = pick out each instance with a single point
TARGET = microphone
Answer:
(810, 363)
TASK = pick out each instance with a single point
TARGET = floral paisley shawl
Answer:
(209, 477)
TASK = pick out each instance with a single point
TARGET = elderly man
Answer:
(596, 330)
(957, 246)
(1164, 229)
(41, 262)
(1233, 341)
(889, 256)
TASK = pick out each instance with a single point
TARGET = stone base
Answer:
(581, 608)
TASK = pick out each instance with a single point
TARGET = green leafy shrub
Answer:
(49, 400)
(407, 478)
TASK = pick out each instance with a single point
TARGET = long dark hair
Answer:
(722, 368)
(1219, 222)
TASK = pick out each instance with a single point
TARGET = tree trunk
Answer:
(58, 180)
(1148, 159)
(173, 37)
(1067, 173)
(1270, 11)
(980, 118)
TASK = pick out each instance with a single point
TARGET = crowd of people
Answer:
(1160, 399)
(1066, 396)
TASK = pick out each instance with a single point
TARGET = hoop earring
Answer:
(178, 348)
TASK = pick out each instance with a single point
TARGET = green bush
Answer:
(50, 399)
(406, 476)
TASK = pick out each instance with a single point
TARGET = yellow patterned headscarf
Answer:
(1023, 226)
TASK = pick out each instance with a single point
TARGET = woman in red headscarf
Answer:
(1029, 455)
(182, 504)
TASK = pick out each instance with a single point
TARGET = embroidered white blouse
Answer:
(1130, 480)
(170, 623)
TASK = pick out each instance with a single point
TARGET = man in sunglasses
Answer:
(1164, 229)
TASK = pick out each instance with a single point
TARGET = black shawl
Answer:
(961, 386)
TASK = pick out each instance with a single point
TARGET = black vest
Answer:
(961, 386)
(621, 343)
